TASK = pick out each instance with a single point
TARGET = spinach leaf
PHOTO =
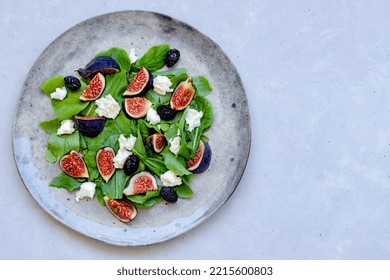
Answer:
(142, 198)
(171, 72)
(149, 203)
(50, 126)
(184, 190)
(202, 86)
(51, 84)
(66, 182)
(59, 145)
(115, 85)
(154, 58)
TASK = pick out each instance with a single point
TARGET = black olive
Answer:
(166, 113)
(169, 194)
(172, 57)
(72, 83)
(131, 165)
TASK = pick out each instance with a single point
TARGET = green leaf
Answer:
(115, 85)
(50, 126)
(51, 84)
(114, 187)
(172, 163)
(149, 203)
(202, 86)
(155, 165)
(120, 56)
(66, 182)
(184, 190)
(142, 198)
(154, 58)
(171, 72)
(59, 145)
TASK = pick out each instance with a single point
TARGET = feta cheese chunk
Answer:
(193, 118)
(175, 145)
(162, 85)
(169, 179)
(133, 57)
(107, 107)
(59, 94)
(67, 127)
(87, 189)
(126, 143)
(152, 117)
(120, 158)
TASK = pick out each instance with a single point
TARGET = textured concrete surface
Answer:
(317, 184)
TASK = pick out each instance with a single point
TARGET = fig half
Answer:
(141, 84)
(105, 162)
(103, 64)
(122, 209)
(156, 142)
(73, 165)
(90, 126)
(94, 89)
(201, 160)
(140, 183)
(136, 107)
(182, 95)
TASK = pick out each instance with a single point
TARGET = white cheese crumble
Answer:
(169, 179)
(127, 143)
(152, 117)
(175, 145)
(59, 94)
(67, 127)
(87, 189)
(125, 147)
(133, 57)
(193, 118)
(120, 158)
(107, 107)
(162, 85)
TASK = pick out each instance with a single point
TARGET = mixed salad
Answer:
(129, 131)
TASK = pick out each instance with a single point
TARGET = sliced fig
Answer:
(156, 142)
(131, 165)
(140, 85)
(90, 126)
(140, 183)
(182, 95)
(94, 89)
(122, 209)
(201, 160)
(103, 64)
(105, 163)
(136, 107)
(73, 165)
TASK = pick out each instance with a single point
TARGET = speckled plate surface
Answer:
(229, 135)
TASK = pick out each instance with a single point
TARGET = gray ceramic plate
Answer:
(229, 135)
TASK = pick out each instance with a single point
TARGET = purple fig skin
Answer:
(204, 161)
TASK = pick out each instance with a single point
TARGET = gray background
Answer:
(317, 184)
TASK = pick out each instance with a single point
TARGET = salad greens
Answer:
(59, 145)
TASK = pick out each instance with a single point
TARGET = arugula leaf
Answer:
(66, 182)
(202, 86)
(154, 58)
